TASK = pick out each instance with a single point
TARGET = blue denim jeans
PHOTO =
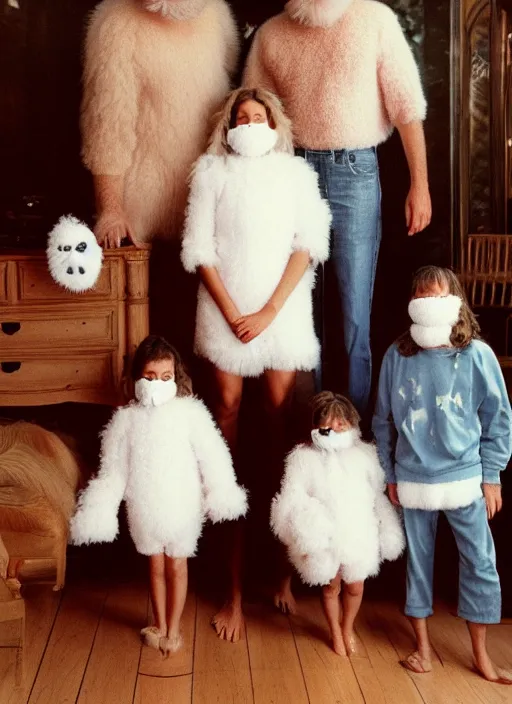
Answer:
(349, 180)
(479, 584)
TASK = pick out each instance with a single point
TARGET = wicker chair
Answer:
(487, 278)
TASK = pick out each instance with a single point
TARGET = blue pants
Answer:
(349, 180)
(479, 584)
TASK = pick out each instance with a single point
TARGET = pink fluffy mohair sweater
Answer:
(150, 87)
(344, 86)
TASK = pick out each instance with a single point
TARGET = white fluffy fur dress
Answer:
(246, 217)
(332, 513)
(173, 469)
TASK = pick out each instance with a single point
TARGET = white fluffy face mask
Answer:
(74, 256)
(252, 140)
(317, 13)
(155, 392)
(176, 9)
(433, 318)
(329, 440)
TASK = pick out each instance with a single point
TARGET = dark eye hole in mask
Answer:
(324, 431)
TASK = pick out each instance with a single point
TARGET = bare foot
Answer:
(151, 636)
(337, 643)
(354, 645)
(417, 663)
(229, 622)
(284, 599)
(485, 668)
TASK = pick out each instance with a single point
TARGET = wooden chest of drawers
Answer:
(57, 346)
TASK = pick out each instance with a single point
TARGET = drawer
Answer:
(35, 284)
(87, 327)
(37, 380)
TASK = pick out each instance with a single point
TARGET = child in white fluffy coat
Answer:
(333, 515)
(165, 457)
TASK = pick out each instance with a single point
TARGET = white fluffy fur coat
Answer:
(246, 217)
(332, 512)
(150, 87)
(172, 467)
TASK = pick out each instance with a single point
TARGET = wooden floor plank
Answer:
(69, 645)
(221, 670)
(275, 666)
(395, 685)
(112, 669)
(153, 663)
(500, 645)
(41, 606)
(163, 690)
(368, 681)
(450, 637)
(329, 677)
(437, 687)
(282, 660)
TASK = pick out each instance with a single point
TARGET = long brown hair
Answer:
(225, 119)
(327, 405)
(154, 349)
(464, 330)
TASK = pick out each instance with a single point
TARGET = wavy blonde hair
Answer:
(225, 119)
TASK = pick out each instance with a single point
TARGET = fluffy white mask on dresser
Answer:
(317, 13)
(74, 256)
(176, 9)
(329, 440)
(155, 392)
(254, 139)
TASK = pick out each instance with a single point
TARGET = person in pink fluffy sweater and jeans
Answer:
(347, 77)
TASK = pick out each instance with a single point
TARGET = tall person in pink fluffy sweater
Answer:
(140, 135)
(347, 78)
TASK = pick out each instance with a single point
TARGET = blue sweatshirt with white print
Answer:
(443, 415)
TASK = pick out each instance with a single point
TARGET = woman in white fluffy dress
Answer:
(256, 228)
(333, 515)
(164, 456)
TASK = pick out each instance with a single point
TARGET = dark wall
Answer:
(427, 25)
(40, 67)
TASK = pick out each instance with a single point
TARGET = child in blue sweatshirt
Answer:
(443, 428)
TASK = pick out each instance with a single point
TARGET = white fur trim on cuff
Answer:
(227, 503)
(391, 532)
(440, 497)
(93, 526)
